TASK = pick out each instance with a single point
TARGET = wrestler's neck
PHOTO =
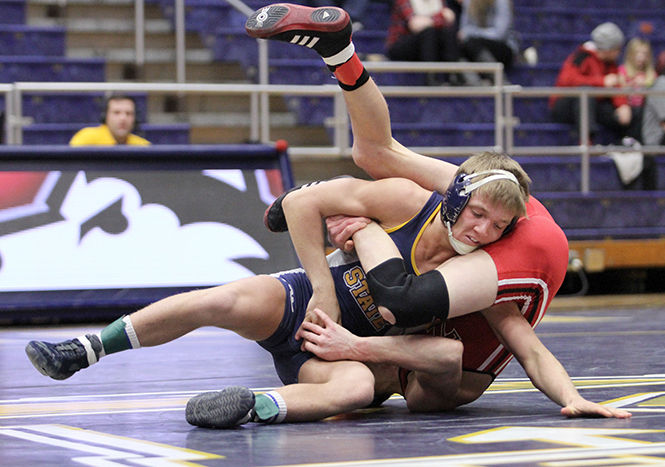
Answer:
(433, 247)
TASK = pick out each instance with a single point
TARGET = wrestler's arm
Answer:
(435, 361)
(543, 369)
(304, 208)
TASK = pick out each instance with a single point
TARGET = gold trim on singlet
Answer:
(417, 239)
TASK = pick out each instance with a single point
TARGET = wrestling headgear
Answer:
(457, 196)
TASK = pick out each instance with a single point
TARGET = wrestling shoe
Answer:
(325, 29)
(62, 360)
(274, 218)
(227, 408)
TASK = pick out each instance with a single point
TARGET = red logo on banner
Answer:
(19, 188)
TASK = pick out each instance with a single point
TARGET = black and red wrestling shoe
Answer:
(325, 29)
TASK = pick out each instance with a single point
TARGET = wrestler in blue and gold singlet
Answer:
(359, 313)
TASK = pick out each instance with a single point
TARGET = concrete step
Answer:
(104, 9)
(295, 135)
(166, 72)
(127, 55)
(221, 119)
(109, 40)
(207, 103)
(102, 25)
(105, 29)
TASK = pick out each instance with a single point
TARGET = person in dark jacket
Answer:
(594, 64)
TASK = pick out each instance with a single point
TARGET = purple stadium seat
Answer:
(20, 68)
(32, 40)
(13, 12)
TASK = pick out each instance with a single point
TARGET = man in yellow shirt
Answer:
(118, 124)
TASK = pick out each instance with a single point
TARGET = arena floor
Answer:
(129, 409)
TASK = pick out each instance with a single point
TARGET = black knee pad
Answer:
(412, 299)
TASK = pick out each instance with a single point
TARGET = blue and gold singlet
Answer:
(359, 313)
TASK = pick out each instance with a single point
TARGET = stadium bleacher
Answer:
(13, 12)
(49, 68)
(18, 39)
(38, 54)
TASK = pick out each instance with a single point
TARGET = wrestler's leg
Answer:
(432, 391)
(252, 307)
(378, 153)
(432, 395)
(324, 389)
(374, 149)
(328, 388)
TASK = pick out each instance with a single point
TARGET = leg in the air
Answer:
(332, 40)
(374, 149)
(327, 30)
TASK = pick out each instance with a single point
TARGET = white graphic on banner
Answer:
(57, 256)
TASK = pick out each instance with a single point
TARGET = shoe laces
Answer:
(70, 349)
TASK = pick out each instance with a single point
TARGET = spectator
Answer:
(422, 31)
(637, 70)
(118, 124)
(653, 124)
(594, 63)
(486, 33)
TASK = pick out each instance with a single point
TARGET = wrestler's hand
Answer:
(585, 408)
(321, 301)
(341, 229)
(327, 339)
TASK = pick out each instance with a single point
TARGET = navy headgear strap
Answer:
(459, 191)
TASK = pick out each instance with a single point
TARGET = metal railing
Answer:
(504, 119)
(259, 94)
(259, 107)
(584, 149)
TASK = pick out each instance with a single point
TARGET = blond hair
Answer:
(504, 192)
(629, 62)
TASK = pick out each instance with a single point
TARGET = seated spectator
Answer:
(486, 33)
(594, 63)
(653, 125)
(637, 70)
(653, 122)
(422, 31)
(118, 123)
